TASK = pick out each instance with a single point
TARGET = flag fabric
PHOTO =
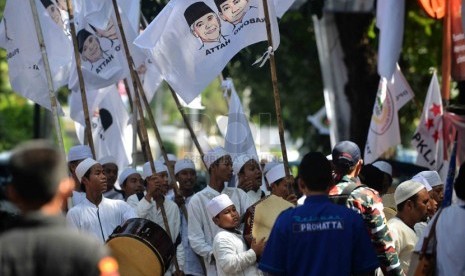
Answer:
(103, 60)
(93, 97)
(390, 22)
(26, 69)
(384, 127)
(457, 41)
(191, 41)
(110, 130)
(238, 139)
(281, 6)
(428, 137)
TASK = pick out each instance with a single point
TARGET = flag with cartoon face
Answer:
(103, 61)
(110, 130)
(25, 64)
(192, 41)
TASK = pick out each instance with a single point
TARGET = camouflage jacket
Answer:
(368, 203)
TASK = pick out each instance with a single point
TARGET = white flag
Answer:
(238, 138)
(281, 6)
(93, 97)
(384, 126)
(191, 41)
(428, 138)
(390, 22)
(110, 130)
(103, 61)
(25, 64)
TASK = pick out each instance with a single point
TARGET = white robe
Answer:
(450, 253)
(101, 220)
(232, 257)
(202, 229)
(404, 239)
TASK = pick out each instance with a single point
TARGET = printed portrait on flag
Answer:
(26, 67)
(191, 41)
(233, 11)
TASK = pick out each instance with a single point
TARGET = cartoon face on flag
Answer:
(233, 11)
(203, 22)
(191, 41)
(26, 68)
(53, 11)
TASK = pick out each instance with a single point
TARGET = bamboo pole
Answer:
(446, 54)
(77, 57)
(136, 81)
(188, 125)
(181, 110)
(51, 89)
(274, 81)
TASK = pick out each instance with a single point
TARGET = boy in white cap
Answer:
(249, 176)
(149, 207)
(131, 182)
(96, 214)
(110, 169)
(76, 154)
(230, 251)
(201, 229)
(412, 206)
(279, 185)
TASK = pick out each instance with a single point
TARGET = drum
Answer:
(260, 217)
(141, 247)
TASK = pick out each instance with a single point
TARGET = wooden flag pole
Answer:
(138, 93)
(51, 89)
(446, 54)
(136, 123)
(77, 58)
(183, 114)
(188, 125)
(274, 81)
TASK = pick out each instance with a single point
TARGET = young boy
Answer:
(229, 248)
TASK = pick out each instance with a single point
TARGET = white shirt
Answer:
(113, 194)
(192, 265)
(78, 197)
(254, 196)
(450, 253)
(202, 229)
(149, 210)
(404, 241)
(101, 220)
(232, 257)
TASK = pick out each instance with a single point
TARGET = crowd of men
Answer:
(338, 216)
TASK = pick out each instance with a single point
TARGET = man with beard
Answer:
(96, 214)
(201, 229)
(412, 202)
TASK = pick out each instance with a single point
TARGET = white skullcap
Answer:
(126, 173)
(383, 166)
(329, 157)
(240, 161)
(420, 178)
(147, 170)
(171, 157)
(183, 164)
(79, 152)
(83, 167)
(211, 156)
(432, 177)
(108, 160)
(218, 204)
(275, 173)
(407, 189)
(269, 165)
